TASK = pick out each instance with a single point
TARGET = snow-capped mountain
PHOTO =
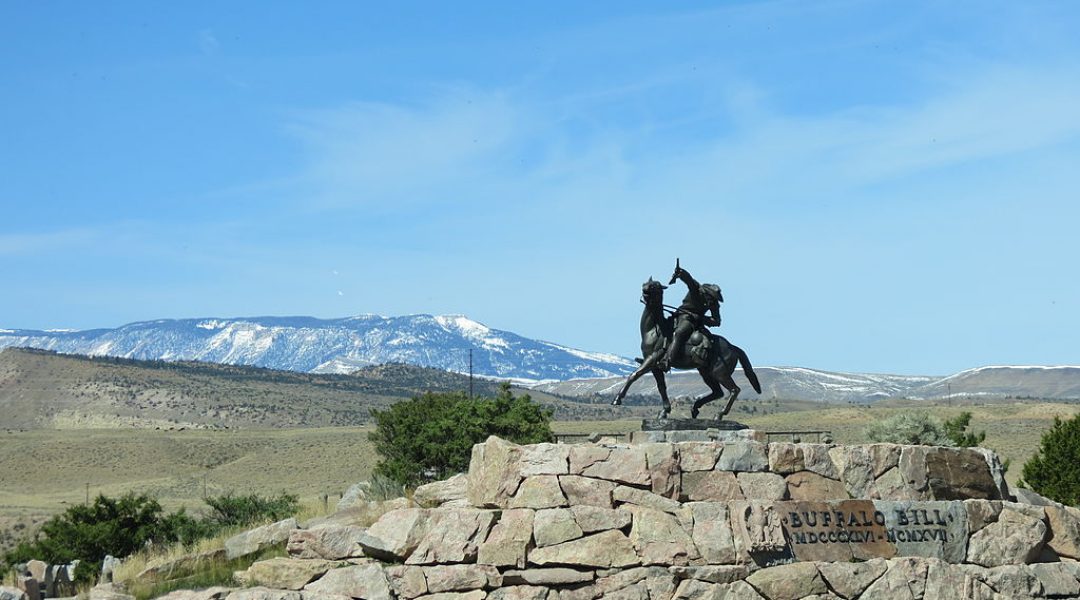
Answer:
(333, 345)
(798, 383)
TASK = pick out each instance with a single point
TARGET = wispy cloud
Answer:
(16, 244)
(208, 42)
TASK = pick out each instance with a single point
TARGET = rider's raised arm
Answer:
(690, 282)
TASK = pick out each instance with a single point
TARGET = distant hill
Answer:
(1060, 383)
(796, 383)
(312, 345)
(44, 390)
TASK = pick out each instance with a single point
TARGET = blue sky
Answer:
(876, 186)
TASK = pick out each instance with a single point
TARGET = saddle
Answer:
(703, 346)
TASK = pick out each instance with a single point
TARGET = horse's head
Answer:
(652, 292)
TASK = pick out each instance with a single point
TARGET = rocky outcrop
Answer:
(250, 542)
(696, 519)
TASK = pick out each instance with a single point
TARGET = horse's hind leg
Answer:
(717, 392)
(729, 383)
(661, 386)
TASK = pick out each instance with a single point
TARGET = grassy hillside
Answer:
(44, 390)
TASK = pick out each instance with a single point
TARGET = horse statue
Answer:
(713, 356)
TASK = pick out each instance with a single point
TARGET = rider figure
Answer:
(699, 300)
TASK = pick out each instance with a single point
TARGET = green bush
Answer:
(915, 427)
(231, 511)
(956, 431)
(89, 532)
(122, 526)
(430, 437)
(1054, 471)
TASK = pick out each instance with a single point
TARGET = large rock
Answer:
(1015, 538)
(1010, 581)
(1064, 530)
(659, 539)
(523, 592)
(692, 589)
(743, 456)
(788, 458)
(262, 593)
(361, 581)
(407, 581)
(1057, 580)
(634, 583)
(698, 456)
(509, 539)
(332, 542)
(494, 473)
(700, 486)
(913, 472)
(461, 578)
(560, 576)
(212, 593)
(663, 464)
(944, 580)
(450, 492)
(358, 494)
(396, 534)
(981, 513)
(473, 595)
(806, 485)
(602, 550)
(452, 536)
(788, 582)
(593, 518)
(959, 474)
(712, 533)
(626, 465)
(849, 580)
(905, 579)
(283, 573)
(587, 491)
(555, 526)
(711, 573)
(539, 491)
(855, 468)
(544, 459)
(11, 593)
(628, 495)
(762, 486)
(109, 592)
(250, 542)
(166, 567)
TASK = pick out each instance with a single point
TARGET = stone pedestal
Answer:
(690, 425)
(694, 430)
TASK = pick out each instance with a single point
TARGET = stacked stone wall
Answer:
(699, 519)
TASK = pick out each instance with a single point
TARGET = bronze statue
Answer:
(712, 355)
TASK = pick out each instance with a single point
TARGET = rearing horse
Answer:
(715, 370)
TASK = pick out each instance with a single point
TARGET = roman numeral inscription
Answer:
(864, 529)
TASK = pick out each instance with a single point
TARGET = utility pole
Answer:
(88, 493)
(470, 375)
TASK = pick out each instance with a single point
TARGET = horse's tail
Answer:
(748, 370)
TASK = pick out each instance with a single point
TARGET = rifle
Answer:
(675, 275)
